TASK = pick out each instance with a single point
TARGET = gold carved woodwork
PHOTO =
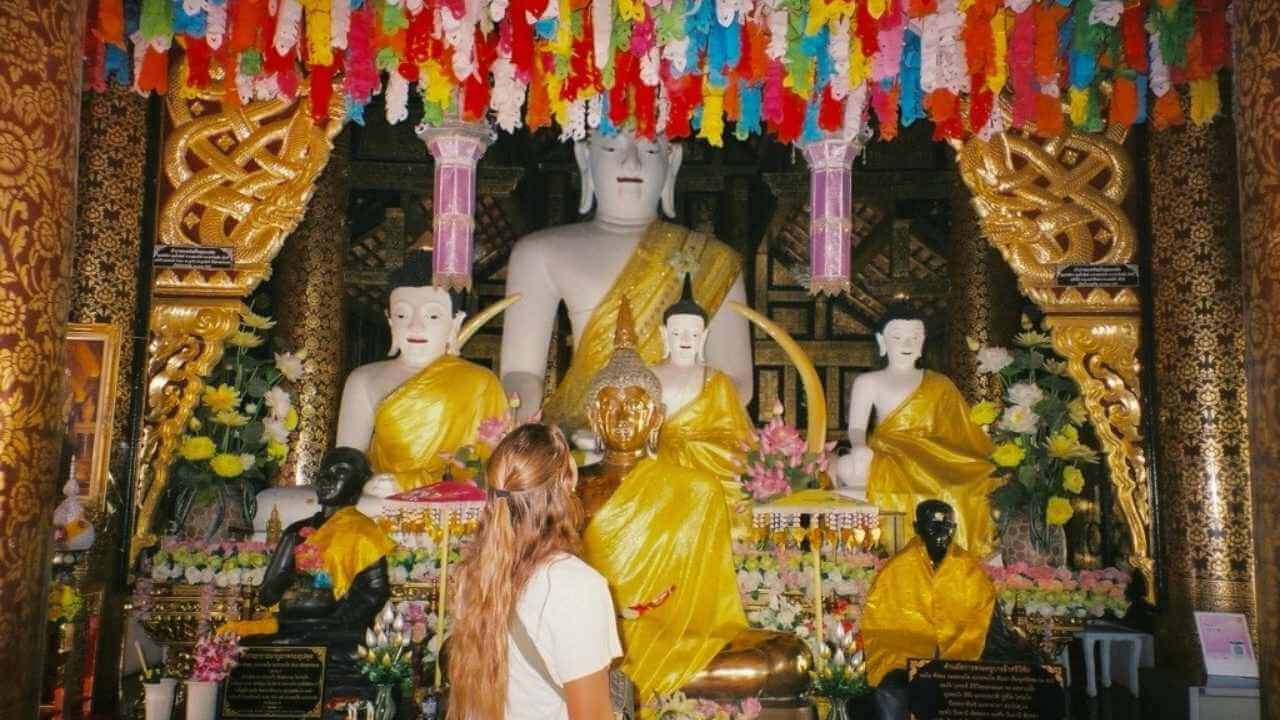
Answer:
(187, 339)
(1102, 357)
(1044, 203)
(237, 177)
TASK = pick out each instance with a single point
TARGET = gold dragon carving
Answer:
(1044, 203)
(237, 177)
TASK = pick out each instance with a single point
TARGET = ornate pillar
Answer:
(40, 50)
(104, 289)
(1256, 41)
(308, 308)
(1206, 520)
(984, 303)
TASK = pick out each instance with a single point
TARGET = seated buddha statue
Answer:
(659, 533)
(923, 445)
(328, 573)
(424, 402)
(932, 599)
(706, 426)
(624, 249)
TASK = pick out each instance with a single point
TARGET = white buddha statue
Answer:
(623, 250)
(923, 446)
(409, 411)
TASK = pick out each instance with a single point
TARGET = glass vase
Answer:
(384, 703)
(839, 709)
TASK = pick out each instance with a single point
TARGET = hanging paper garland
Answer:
(690, 68)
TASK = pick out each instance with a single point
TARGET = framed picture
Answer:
(92, 358)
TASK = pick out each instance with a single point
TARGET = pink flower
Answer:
(751, 708)
(491, 431)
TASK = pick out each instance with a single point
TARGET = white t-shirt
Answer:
(567, 609)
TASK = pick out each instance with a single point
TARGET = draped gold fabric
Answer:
(928, 448)
(349, 542)
(916, 611)
(651, 282)
(667, 528)
(435, 412)
(709, 434)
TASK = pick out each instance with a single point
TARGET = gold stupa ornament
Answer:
(625, 367)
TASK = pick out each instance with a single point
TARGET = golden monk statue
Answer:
(924, 445)
(425, 402)
(660, 535)
(706, 427)
(624, 249)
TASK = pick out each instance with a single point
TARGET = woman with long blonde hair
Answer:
(535, 630)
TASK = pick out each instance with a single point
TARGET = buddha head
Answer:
(684, 330)
(626, 176)
(936, 525)
(343, 473)
(624, 401)
(424, 319)
(900, 336)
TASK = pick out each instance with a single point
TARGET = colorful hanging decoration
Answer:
(831, 213)
(456, 147)
(800, 71)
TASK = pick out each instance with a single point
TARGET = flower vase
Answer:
(384, 703)
(202, 699)
(1027, 538)
(839, 709)
(159, 698)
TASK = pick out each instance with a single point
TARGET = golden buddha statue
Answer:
(660, 534)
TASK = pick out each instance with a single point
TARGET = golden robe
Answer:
(709, 434)
(928, 448)
(349, 542)
(916, 611)
(433, 414)
(662, 542)
(651, 282)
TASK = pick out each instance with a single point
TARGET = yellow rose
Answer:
(1058, 511)
(1008, 454)
(276, 450)
(1072, 479)
(226, 465)
(984, 413)
(222, 398)
(1076, 411)
(1066, 445)
(291, 420)
(197, 448)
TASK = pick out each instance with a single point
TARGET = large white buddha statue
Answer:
(625, 249)
(923, 446)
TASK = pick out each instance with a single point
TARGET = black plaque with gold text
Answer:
(276, 683)
(960, 690)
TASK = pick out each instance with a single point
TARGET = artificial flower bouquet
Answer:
(385, 657)
(1036, 431)
(65, 603)
(215, 656)
(676, 706)
(839, 670)
(775, 587)
(239, 433)
(1059, 593)
(779, 462)
(227, 564)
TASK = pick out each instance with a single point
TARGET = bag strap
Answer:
(529, 651)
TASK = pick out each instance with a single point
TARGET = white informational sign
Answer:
(1225, 644)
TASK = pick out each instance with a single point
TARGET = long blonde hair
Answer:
(531, 515)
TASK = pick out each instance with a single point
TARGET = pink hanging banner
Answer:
(830, 213)
(456, 147)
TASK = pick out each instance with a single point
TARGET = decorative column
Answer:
(830, 213)
(41, 42)
(456, 147)
(984, 300)
(1256, 43)
(1206, 520)
(309, 311)
(104, 289)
